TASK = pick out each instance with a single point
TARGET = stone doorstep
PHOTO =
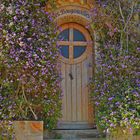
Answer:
(74, 134)
(79, 139)
(79, 134)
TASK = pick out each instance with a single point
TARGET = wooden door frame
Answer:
(88, 43)
(89, 51)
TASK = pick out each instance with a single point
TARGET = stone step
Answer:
(86, 134)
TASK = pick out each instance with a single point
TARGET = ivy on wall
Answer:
(29, 73)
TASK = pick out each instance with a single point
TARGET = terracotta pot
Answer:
(28, 130)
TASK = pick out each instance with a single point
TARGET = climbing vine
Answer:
(116, 84)
(29, 72)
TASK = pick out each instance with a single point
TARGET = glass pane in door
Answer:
(79, 50)
(64, 50)
(78, 36)
(64, 35)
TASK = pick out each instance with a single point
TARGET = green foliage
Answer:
(7, 129)
(29, 74)
(116, 84)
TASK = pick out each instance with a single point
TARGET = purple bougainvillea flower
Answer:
(30, 62)
(110, 98)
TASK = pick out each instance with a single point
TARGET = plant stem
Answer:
(17, 91)
(35, 116)
(121, 43)
(129, 17)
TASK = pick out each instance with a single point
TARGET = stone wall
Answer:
(28, 130)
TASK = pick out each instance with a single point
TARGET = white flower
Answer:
(21, 51)
(38, 65)
(7, 37)
(21, 44)
(22, 12)
(10, 10)
(27, 63)
(1, 7)
(20, 39)
(11, 24)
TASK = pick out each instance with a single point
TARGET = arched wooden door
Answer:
(76, 69)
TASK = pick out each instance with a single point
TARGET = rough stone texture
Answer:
(73, 135)
(28, 130)
(87, 134)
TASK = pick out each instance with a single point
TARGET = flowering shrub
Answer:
(6, 130)
(116, 84)
(29, 78)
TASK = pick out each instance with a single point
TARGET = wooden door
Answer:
(76, 60)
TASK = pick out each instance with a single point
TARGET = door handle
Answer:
(71, 77)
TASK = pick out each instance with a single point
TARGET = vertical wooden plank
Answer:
(79, 91)
(69, 96)
(86, 88)
(64, 92)
(74, 96)
(90, 76)
(90, 72)
(84, 91)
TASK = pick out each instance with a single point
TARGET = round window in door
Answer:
(75, 43)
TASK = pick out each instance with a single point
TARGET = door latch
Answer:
(71, 77)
